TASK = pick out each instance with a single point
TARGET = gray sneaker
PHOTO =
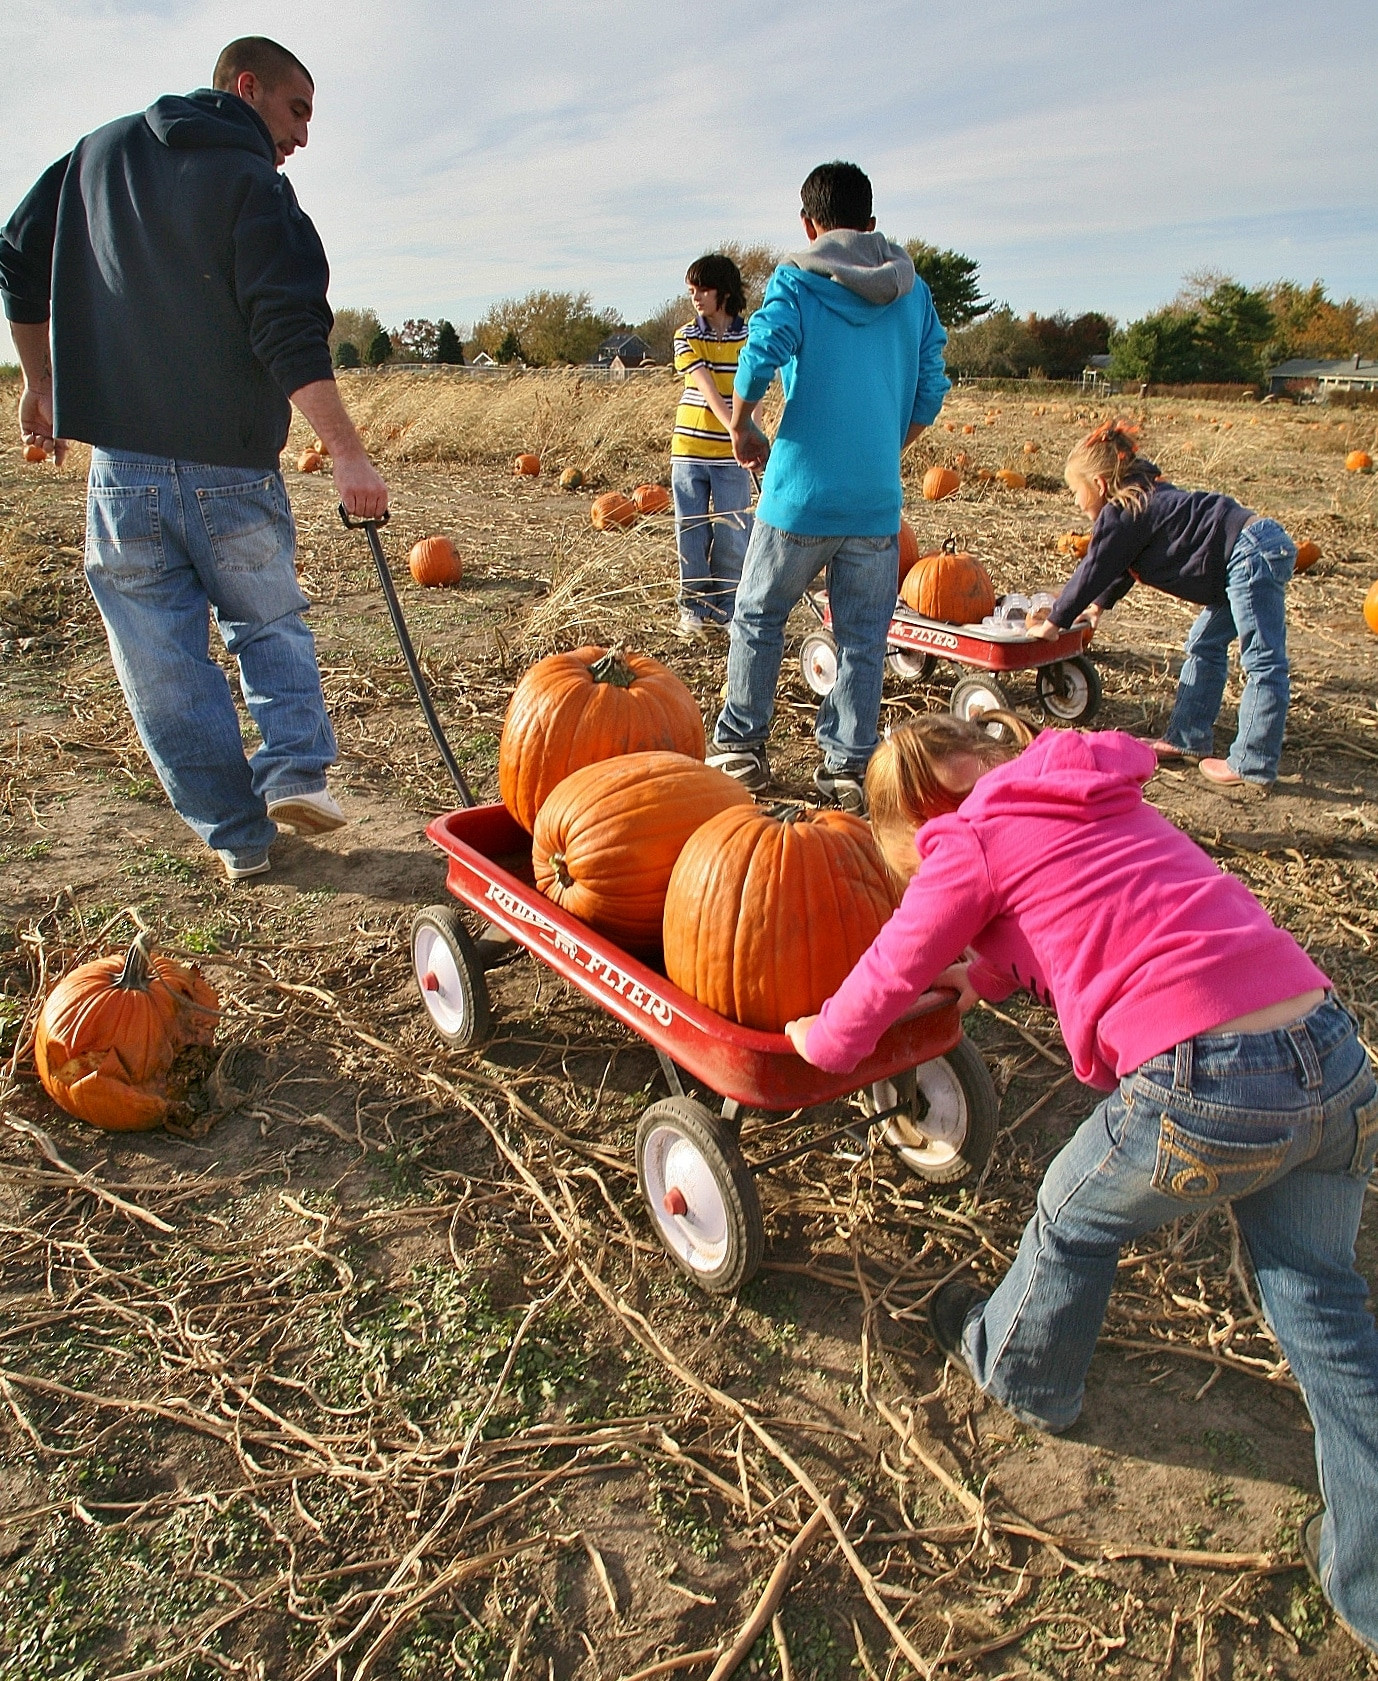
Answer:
(844, 788)
(747, 765)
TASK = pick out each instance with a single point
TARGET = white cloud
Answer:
(464, 152)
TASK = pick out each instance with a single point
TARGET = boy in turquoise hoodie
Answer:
(854, 335)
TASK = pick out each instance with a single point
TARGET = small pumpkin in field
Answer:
(435, 563)
(940, 482)
(613, 511)
(607, 837)
(950, 585)
(571, 478)
(35, 452)
(110, 1031)
(526, 466)
(1371, 608)
(651, 498)
(1359, 461)
(968, 430)
(1308, 553)
(1074, 543)
(765, 915)
(1031, 448)
(319, 448)
(1010, 479)
(308, 462)
(571, 710)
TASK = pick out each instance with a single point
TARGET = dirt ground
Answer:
(373, 1366)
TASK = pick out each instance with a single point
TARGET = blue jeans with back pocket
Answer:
(1283, 1126)
(170, 544)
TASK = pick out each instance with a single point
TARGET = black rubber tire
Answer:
(982, 1116)
(973, 695)
(817, 642)
(460, 1015)
(1069, 690)
(909, 665)
(743, 1233)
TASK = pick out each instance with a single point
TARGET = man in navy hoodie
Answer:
(167, 297)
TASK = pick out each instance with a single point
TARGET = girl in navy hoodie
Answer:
(1202, 547)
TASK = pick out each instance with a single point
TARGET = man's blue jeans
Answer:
(711, 546)
(1255, 610)
(1283, 1126)
(168, 543)
(862, 573)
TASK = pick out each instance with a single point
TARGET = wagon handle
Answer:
(370, 529)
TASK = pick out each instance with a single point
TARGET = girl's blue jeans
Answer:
(1281, 1125)
(1255, 610)
(170, 544)
(712, 545)
(861, 579)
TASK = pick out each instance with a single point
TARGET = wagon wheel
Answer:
(1069, 690)
(910, 664)
(949, 1130)
(700, 1193)
(449, 976)
(971, 696)
(818, 661)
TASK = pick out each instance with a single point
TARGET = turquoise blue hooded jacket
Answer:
(859, 349)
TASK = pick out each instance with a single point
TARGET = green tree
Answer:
(346, 354)
(549, 327)
(358, 327)
(1159, 349)
(380, 349)
(1233, 329)
(953, 281)
(999, 347)
(416, 339)
(447, 345)
(509, 349)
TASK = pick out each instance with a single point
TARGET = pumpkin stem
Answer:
(562, 875)
(138, 967)
(950, 543)
(789, 811)
(613, 668)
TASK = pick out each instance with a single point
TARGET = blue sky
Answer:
(462, 152)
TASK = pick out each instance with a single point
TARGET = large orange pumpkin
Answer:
(526, 466)
(651, 498)
(940, 482)
(1308, 553)
(612, 511)
(435, 562)
(1371, 608)
(109, 1032)
(1074, 543)
(571, 710)
(765, 916)
(909, 549)
(951, 585)
(1359, 461)
(608, 836)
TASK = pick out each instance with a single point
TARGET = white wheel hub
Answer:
(938, 1139)
(685, 1199)
(442, 989)
(820, 666)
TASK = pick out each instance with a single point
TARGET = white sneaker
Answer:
(238, 872)
(691, 628)
(308, 814)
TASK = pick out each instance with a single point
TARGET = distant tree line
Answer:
(1216, 330)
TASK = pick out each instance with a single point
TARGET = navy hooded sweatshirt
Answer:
(185, 284)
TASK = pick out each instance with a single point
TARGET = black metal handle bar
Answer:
(370, 529)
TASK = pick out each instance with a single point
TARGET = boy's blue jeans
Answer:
(711, 546)
(1282, 1125)
(168, 543)
(861, 582)
(1255, 610)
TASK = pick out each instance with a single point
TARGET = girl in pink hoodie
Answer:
(1233, 1074)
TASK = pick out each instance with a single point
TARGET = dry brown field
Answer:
(376, 1370)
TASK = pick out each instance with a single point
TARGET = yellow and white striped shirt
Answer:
(698, 431)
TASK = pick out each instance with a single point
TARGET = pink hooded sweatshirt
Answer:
(1066, 882)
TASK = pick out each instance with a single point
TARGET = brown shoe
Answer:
(1223, 775)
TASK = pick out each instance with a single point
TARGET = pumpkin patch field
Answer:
(367, 1363)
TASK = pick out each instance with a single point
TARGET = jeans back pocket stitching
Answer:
(1365, 1138)
(1174, 1159)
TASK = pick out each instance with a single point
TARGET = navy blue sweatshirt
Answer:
(1179, 543)
(186, 286)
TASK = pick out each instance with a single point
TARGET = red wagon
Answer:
(1067, 684)
(925, 1084)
